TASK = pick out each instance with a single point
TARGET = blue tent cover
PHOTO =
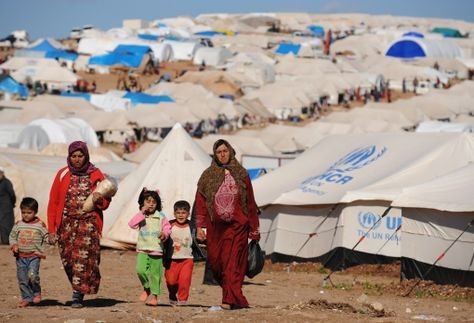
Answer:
(317, 30)
(405, 48)
(286, 48)
(7, 84)
(137, 98)
(254, 173)
(413, 34)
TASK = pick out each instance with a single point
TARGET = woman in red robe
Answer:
(226, 208)
(77, 232)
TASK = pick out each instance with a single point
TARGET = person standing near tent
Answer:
(226, 208)
(7, 205)
(77, 232)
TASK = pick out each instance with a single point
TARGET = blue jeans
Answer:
(27, 271)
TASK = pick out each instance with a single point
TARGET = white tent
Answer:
(365, 171)
(435, 213)
(412, 47)
(41, 132)
(15, 63)
(32, 173)
(173, 167)
(438, 126)
(211, 56)
(56, 77)
(183, 50)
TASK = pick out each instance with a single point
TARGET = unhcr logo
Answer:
(368, 219)
(338, 173)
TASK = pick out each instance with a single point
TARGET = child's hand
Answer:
(15, 248)
(162, 237)
(52, 238)
(200, 234)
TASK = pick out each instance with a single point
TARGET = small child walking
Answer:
(26, 242)
(153, 230)
(179, 268)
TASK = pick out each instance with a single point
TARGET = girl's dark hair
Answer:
(29, 203)
(146, 193)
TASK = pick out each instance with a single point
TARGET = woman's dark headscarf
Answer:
(212, 178)
(87, 167)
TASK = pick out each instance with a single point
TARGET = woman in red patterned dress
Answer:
(225, 206)
(77, 232)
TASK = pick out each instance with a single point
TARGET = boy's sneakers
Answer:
(37, 299)
(153, 301)
(144, 295)
(24, 303)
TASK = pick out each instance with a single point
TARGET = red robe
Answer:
(227, 237)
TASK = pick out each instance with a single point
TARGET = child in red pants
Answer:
(179, 270)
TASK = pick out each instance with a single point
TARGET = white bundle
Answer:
(107, 188)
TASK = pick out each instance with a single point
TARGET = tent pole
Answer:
(390, 238)
(328, 277)
(312, 234)
(441, 256)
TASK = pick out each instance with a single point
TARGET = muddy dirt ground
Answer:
(283, 292)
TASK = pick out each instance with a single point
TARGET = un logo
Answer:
(368, 219)
(358, 158)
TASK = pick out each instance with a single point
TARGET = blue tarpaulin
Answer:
(85, 96)
(255, 173)
(128, 55)
(209, 33)
(148, 36)
(285, 49)
(61, 54)
(413, 34)
(52, 52)
(406, 48)
(44, 46)
(7, 84)
(138, 98)
(317, 31)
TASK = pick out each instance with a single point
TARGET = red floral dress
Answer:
(79, 239)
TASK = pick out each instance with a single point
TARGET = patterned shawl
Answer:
(212, 178)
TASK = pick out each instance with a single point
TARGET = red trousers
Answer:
(178, 279)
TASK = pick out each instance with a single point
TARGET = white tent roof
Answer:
(438, 126)
(15, 63)
(41, 132)
(364, 166)
(451, 192)
(33, 173)
(174, 168)
(183, 50)
(241, 144)
(211, 56)
(443, 47)
(56, 75)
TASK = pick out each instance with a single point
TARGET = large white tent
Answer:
(358, 176)
(42, 132)
(173, 167)
(435, 214)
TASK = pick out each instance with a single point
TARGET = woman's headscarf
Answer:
(212, 178)
(87, 167)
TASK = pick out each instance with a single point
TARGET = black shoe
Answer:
(77, 299)
(76, 304)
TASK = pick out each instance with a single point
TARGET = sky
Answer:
(55, 18)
